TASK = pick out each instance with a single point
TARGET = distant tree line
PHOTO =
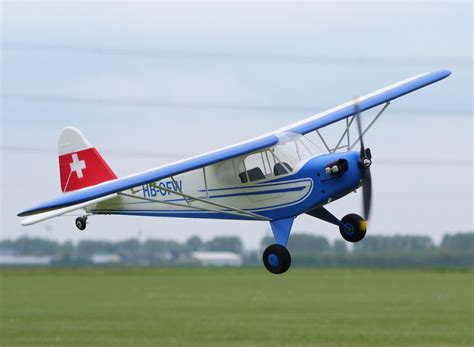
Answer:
(382, 251)
(306, 250)
(131, 251)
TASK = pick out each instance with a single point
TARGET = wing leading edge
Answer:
(303, 127)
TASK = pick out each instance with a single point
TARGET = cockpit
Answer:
(268, 163)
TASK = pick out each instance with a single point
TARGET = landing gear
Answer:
(276, 259)
(81, 222)
(354, 227)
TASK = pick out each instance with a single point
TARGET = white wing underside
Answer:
(59, 212)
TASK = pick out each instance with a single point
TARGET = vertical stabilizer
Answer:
(80, 164)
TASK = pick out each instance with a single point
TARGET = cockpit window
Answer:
(268, 163)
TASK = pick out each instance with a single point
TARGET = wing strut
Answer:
(346, 134)
(323, 141)
(370, 125)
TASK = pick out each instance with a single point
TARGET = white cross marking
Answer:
(77, 165)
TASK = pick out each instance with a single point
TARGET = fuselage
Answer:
(267, 192)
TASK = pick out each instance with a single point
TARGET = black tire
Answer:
(355, 228)
(276, 259)
(81, 223)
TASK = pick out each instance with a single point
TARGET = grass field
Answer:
(236, 307)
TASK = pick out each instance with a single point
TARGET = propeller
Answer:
(365, 160)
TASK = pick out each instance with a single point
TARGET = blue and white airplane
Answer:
(272, 178)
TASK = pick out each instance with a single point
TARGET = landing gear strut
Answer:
(81, 222)
(352, 227)
(276, 257)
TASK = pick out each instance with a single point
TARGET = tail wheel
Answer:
(81, 223)
(276, 259)
(355, 228)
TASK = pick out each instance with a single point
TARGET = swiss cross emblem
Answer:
(77, 165)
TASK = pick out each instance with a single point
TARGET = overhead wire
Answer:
(150, 154)
(148, 103)
(253, 57)
(224, 56)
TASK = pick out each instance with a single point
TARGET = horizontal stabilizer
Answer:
(59, 212)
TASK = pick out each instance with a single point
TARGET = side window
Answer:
(227, 173)
(256, 160)
(278, 164)
(255, 168)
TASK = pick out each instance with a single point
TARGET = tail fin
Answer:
(80, 164)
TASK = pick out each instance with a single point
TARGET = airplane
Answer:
(272, 178)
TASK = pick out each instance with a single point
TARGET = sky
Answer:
(149, 83)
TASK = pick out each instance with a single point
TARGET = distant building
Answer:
(21, 260)
(105, 258)
(217, 258)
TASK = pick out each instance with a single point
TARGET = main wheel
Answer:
(81, 223)
(276, 259)
(354, 228)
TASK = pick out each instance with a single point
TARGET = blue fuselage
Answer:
(327, 187)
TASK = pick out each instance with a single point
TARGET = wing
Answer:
(366, 102)
(310, 124)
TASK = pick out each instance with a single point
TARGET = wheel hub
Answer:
(273, 260)
(349, 229)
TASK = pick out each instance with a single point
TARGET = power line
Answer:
(425, 162)
(97, 101)
(148, 154)
(133, 154)
(225, 56)
(69, 99)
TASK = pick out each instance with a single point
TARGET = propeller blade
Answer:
(366, 192)
(364, 162)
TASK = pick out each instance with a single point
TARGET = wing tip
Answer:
(26, 213)
(443, 73)
(24, 223)
(31, 212)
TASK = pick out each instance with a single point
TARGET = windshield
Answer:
(293, 148)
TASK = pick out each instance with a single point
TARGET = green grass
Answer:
(236, 307)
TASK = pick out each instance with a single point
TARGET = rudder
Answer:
(80, 164)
